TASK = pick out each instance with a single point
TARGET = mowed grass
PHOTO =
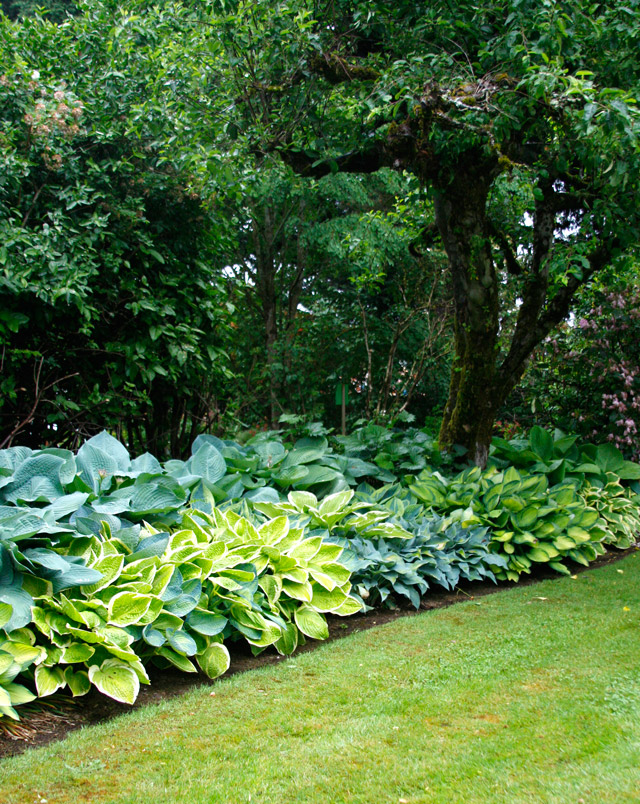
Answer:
(528, 695)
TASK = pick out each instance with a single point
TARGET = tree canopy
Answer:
(306, 165)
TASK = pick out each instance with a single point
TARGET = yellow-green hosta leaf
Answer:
(110, 566)
(215, 660)
(272, 587)
(328, 553)
(338, 572)
(306, 549)
(297, 574)
(162, 579)
(6, 610)
(335, 502)
(349, 607)
(311, 623)
(76, 652)
(302, 500)
(5, 698)
(116, 680)
(24, 653)
(564, 543)
(78, 682)
(177, 659)
(298, 591)
(325, 600)
(578, 534)
(18, 694)
(274, 530)
(269, 636)
(6, 662)
(48, 680)
(322, 578)
(128, 608)
(152, 614)
(288, 642)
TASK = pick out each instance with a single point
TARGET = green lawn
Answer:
(529, 695)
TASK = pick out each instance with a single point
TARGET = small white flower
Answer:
(35, 75)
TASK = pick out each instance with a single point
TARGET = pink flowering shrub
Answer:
(586, 378)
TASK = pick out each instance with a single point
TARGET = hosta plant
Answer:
(176, 597)
(528, 521)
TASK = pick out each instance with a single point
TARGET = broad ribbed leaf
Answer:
(49, 680)
(181, 642)
(36, 480)
(215, 660)
(206, 622)
(116, 680)
(127, 608)
(325, 600)
(208, 463)
(311, 623)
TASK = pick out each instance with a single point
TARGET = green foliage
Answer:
(529, 521)
(109, 313)
(392, 544)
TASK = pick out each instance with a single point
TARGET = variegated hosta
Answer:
(619, 510)
(529, 522)
(337, 515)
(174, 598)
(17, 652)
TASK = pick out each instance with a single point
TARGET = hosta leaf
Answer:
(335, 502)
(110, 568)
(311, 623)
(206, 622)
(49, 680)
(36, 480)
(18, 694)
(116, 680)
(306, 549)
(127, 608)
(325, 600)
(349, 607)
(76, 653)
(609, 458)
(6, 610)
(291, 474)
(317, 474)
(208, 463)
(77, 681)
(270, 453)
(156, 498)
(288, 642)
(274, 530)
(20, 603)
(302, 500)
(215, 660)
(181, 642)
(113, 448)
(298, 591)
(177, 659)
(541, 443)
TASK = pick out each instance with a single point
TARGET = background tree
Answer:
(110, 314)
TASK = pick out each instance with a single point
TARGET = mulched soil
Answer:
(61, 715)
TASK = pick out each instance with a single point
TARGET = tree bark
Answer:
(473, 393)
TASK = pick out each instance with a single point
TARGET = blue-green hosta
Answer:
(393, 544)
(175, 598)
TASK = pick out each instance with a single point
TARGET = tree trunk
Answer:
(474, 395)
